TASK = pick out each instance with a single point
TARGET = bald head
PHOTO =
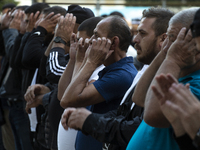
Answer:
(118, 27)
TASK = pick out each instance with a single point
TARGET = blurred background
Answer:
(131, 9)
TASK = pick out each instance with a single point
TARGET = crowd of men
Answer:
(67, 81)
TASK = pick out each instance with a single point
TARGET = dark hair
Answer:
(89, 25)
(10, 5)
(104, 15)
(36, 7)
(162, 16)
(22, 7)
(119, 27)
(55, 9)
(81, 13)
(117, 13)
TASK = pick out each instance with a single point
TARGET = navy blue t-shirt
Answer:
(114, 80)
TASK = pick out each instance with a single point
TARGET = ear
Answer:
(162, 38)
(115, 43)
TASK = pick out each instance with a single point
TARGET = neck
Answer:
(114, 57)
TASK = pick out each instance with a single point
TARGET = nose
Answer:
(136, 39)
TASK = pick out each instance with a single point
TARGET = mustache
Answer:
(136, 46)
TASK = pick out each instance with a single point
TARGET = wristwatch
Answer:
(58, 39)
(196, 141)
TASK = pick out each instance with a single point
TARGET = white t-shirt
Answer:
(66, 138)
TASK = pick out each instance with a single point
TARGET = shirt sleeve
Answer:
(114, 84)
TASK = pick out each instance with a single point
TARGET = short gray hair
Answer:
(184, 17)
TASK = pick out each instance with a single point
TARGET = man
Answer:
(57, 54)
(10, 90)
(116, 127)
(181, 63)
(119, 72)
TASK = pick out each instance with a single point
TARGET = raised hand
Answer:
(162, 93)
(183, 51)
(32, 20)
(5, 20)
(73, 45)
(81, 49)
(65, 27)
(186, 106)
(166, 44)
(49, 22)
(23, 25)
(99, 51)
(16, 21)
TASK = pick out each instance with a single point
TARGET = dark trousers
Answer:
(20, 125)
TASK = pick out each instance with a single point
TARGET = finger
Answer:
(80, 43)
(178, 96)
(72, 38)
(94, 42)
(188, 36)
(64, 123)
(181, 34)
(108, 44)
(175, 108)
(103, 43)
(159, 96)
(31, 17)
(28, 110)
(163, 83)
(49, 15)
(70, 18)
(86, 43)
(73, 21)
(9, 11)
(171, 78)
(66, 19)
(36, 15)
(55, 18)
(61, 20)
(187, 86)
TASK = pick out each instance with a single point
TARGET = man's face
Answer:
(172, 31)
(146, 43)
(82, 34)
(101, 29)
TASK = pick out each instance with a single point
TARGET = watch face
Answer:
(59, 40)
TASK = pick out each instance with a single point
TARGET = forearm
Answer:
(153, 114)
(49, 48)
(145, 81)
(115, 130)
(65, 79)
(73, 96)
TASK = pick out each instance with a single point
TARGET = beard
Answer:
(148, 56)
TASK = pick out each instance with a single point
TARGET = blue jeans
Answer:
(20, 125)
